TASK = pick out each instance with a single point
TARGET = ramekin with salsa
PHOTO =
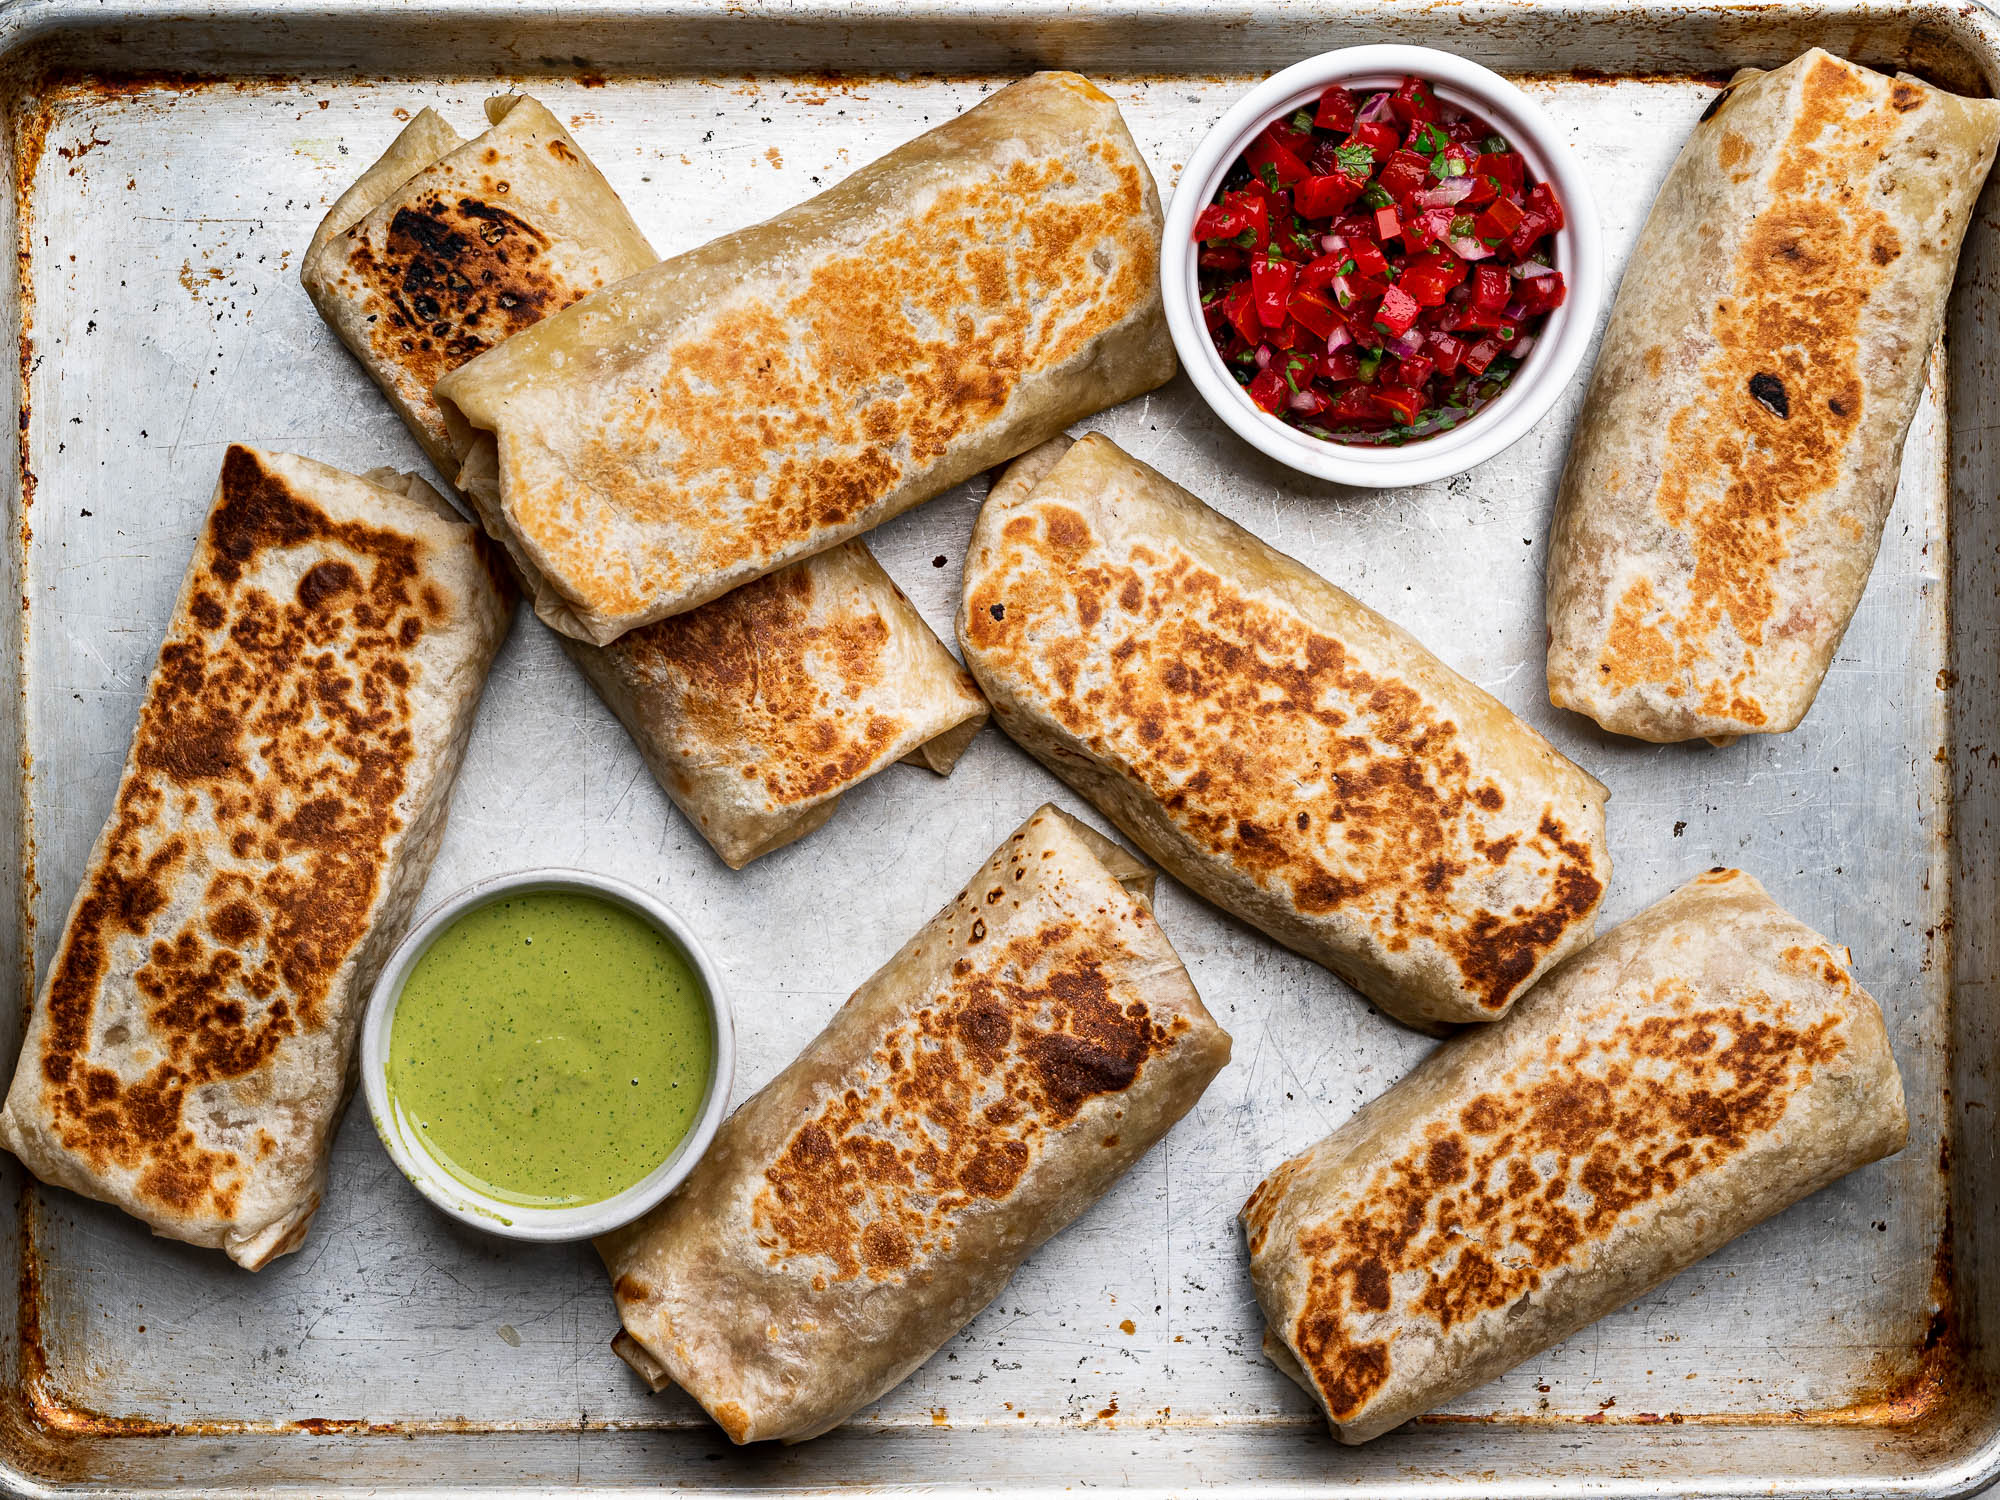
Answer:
(1382, 266)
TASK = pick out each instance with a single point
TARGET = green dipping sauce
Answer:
(550, 1048)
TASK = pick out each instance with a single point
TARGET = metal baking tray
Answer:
(168, 165)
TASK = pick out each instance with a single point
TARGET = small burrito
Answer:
(1276, 745)
(444, 247)
(789, 386)
(757, 710)
(983, 1089)
(760, 709)
(1691, 1073)
(1739, 448)
(188, 1056)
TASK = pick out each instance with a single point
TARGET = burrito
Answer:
(1696, 1070)
(756, 711)
(443, 248)
(789, 386)
(983, 1089)
(188, 1056)
(1739, 448)
(763, 707)
(1276, 745)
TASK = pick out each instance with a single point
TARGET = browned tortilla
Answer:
(982, 1089)
(187, 1058)
(783, 388)
(755, 712)
(1689, 1074)
(1275, 744)
(1739, 447)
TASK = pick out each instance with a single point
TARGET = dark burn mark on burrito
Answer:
(1537, 1170)
(1807, 269)
(954, 1105)
(453, 276)
(1769, 392)
(1716, 104)
(285, 707)
(1336, 788)
(891, 355)
(788, 675)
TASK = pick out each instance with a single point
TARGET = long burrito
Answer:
(1276, 745)
(755, 712)
(188, 1056)
(793, 384)
(1691, 1073)
(985, 1087)
(1738, 451)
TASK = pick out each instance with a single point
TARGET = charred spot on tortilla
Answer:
(1904, 96)
(1716, 104)
(1770, 393)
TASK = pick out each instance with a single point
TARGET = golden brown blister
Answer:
(1740, 445)
(1691, 1073)
(187, 1059)
(980, 1091)
(1276, 745)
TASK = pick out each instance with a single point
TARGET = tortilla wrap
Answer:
(1738, 451)
(791, 385)
(755, 712)
(188, 1056)
(1276, 745)
(979, 1092)
(1688, 1075)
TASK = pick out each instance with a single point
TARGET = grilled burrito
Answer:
(788, 386)
(984, 1088)
(1691, 1073)
(188, 1056)
(1275, 744)
(755, 712)
(1738, 451)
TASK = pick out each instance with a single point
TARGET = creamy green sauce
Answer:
(551, 1048)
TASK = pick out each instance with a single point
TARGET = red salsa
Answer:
(1374, 269)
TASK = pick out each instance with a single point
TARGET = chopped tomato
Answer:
(1218, 223)
(1543, 294)
(1336, 111)
(1404, 173)
(1491, 286)
(1481, 355)
(1413, 101)
(1415, 370)
(1378, 136)
(1533, 227)
(1386, 226)
(1221, 258)
(1312, 311)
(1271, 280)
(1504, 169)
(1542, 200)
(1499, 221)
(1340, 364)
(1269, 390)
(1323, 197)
(1283, 166)
(1402, 402)
(1255, 210)
(1397, 312)
(1240, 307)
(1355, 404)
(1368, 257)
(1447, 351)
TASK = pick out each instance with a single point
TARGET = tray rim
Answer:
(29, 25)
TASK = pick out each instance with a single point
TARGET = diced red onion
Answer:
(1516, 310)
(1341, 336)
(1377, 108)
(1303, 399)
(1470, 247)
(1328, 243)
(1460, 294)
(1449, 114)
(1522, 345)
(1533, 270)
(1263, 355)
(1407, 345)
(1445, 194)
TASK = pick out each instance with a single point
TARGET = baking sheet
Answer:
(163, 217)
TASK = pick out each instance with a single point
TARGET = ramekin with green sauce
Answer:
(548, 1054)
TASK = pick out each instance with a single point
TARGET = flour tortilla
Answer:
(1691, 1073)
(1739, 448)
(979, 1092)
(188, 1057)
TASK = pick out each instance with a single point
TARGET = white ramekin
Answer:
(1549, 365)
(494, 1215)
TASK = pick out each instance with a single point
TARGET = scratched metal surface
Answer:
(163, 226)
